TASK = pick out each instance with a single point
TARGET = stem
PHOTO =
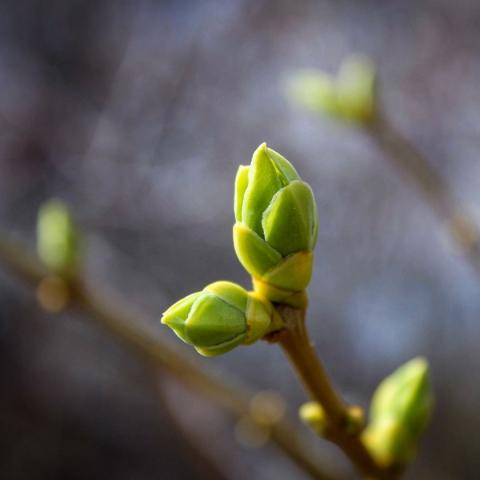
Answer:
(115, 318)
(298, 348)
(408, 159)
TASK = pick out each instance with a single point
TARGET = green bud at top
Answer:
(57, 238)
(399, 412)
(350, 96)
(276, 225)
(221, 317)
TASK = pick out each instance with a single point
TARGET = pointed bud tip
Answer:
(165, 319)
(417, 368)
(262, 148)
(419, 364)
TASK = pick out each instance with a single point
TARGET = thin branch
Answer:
(298, 348)
(115, 319)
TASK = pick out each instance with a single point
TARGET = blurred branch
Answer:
(351, 96)
(114, 317)
(415, 167)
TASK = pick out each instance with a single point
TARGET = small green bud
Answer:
(58, 241)
(356, 89)
(221, 317)
(276, 224)
(399, 412)
(313, 415)
(313, 90)
(350, 96)
(355, 419)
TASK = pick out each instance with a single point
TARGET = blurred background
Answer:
(137, 114)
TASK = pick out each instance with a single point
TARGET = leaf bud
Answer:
(276, 226)
(221, 317)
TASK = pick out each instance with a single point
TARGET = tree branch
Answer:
(298, 348)
(114, 318)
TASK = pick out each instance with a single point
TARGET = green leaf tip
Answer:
(276, 222)
(400, 410)
(58, 240)
(220, 317)
(350, 95)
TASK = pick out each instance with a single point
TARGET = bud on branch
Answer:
(276, 226)
(221, 317)
(400, 409)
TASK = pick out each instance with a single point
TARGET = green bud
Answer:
(356, 89)
(313, 415)
(350, 96)
(399, 412)
(221, 317)
(355, 419)
(276, 225)
(313, 90)
(57, 238)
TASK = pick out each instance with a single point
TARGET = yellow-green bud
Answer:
(221, 317)
(313, 415)
(351, 95)
(356, 89)
(58, 243)
(400, 410)
(355, 419)
(313, 90)
(276, 226)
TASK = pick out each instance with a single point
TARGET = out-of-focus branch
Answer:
(116, 320)
(461, 227)
(352, 97)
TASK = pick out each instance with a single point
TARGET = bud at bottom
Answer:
(400, 410)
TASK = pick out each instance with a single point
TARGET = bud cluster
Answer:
(276, 226)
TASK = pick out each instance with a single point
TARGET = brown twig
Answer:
(116, 320)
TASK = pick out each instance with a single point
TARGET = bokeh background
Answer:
(137, 114)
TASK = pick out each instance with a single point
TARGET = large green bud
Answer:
(276, 226)
(221, 317)
(58, 240)
(400, 410)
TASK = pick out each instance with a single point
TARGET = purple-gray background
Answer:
(137, 114)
